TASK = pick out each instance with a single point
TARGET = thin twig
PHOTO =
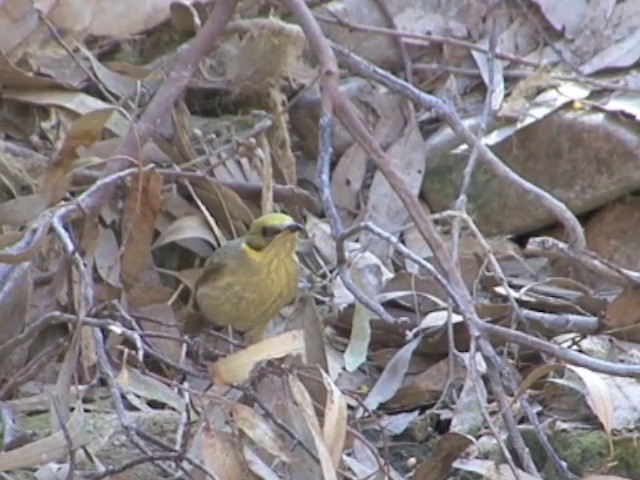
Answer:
(448, 114)
(551, 247)
(325, 152)
(67, 437)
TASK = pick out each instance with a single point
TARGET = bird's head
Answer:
(270, 228)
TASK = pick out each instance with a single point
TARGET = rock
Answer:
(584, 158)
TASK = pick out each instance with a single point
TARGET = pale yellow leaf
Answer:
(303, 399)
(334, 429)
(237, 367)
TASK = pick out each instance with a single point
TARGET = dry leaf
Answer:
(447, 449)
(49, 449)
(107, 257)
(186, 228)
(334, 428)
(133, 381)
(237, 367)
(138, 226)
(392, 376)
(221, 455)
(258, 430)
(598, 396)
(492, 471)
(303, 399)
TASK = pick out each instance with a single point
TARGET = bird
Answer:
(247, 281)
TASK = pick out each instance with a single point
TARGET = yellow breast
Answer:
(254, 288)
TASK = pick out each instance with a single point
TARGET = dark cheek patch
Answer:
(270, 232)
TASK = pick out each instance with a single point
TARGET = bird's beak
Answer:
(293, 227)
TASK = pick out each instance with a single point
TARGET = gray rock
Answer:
(584, 158)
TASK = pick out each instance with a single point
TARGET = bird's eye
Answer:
(269, 231)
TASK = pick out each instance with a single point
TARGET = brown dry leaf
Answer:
(447, 449)
(188, 276)
(223, 204)
(618, 55)
(145, 295)
(392, 376)
(236, 368)
(116, 18)
(175, 207)
(424, 388)
(35, 48)
(366, 464)
(306, 312)
(37, 238)
(397, 423)
(258, 430)
(467, 416)
(141, 208)
(88, 355)
(158, 317)
(49, 449)
(22, 209)
(368, 272)
(623, 314)
(120, 84)
(84, 132)
(414, 292)
(105, 149)
(60, 399)
(536, 374)
(360, 337)
(133, 381)
(384, 208)
(185, 17)
(320, 234)
(17, 22)
(544, 296)
(258, 466)
(15, 295)
(613, 232)
(304, 402)
(264, 153)
(441, 18)
(362, 468)
(495, 79)
(491, 471)
(107, 257)
(57, 180)
(17, 77)
(77, 102)
(349, 174)
(598, 397)
(221, 455)
(9, 238)
(438, 319)
(565, 17)
(181, 121)
(334, 428)
(187, 228)
(89, 240)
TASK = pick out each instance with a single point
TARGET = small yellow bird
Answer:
(247, 281)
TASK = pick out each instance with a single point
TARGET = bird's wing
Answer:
(212, 268)
(216, 263)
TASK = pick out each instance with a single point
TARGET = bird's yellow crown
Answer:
(265, 229)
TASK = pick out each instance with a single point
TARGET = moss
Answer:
(587, 451)
(584, 451)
